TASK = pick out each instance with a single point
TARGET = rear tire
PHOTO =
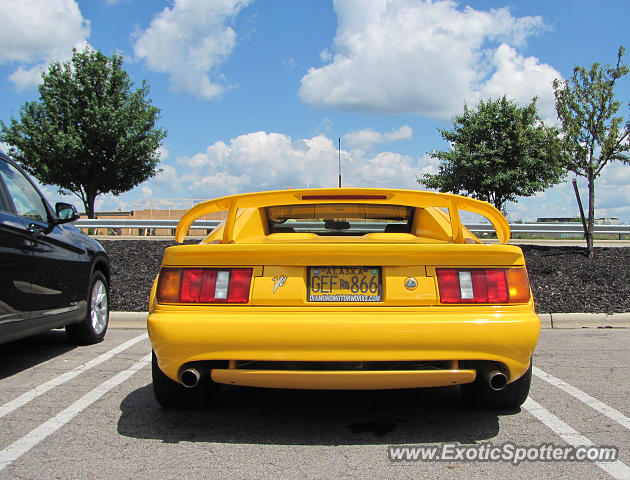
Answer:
(171, 394)
(479, 393)
(93, 327)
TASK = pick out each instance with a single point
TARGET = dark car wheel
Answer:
(479, 393)
(93, 327)
(171, 394)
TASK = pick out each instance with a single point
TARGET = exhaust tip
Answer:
(497, 380)
(190, 377)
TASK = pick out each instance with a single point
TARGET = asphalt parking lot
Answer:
(89, 412)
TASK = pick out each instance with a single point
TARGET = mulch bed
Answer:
(563, 279)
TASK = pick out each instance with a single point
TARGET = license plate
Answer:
(344, 284)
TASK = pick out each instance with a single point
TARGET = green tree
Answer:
(90, 132)
(499, 151)
(592, 133)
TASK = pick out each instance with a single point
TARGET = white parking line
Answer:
(39, 434)
(63, 378)
(592, 402)
(616, 469)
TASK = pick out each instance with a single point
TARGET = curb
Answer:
(128, 320)
(584, 320)
(138, 320)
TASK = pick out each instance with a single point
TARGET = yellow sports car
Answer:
(347, 288)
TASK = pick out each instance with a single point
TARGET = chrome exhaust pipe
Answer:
(495, 378)
(190, 377)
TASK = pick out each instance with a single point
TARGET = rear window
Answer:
(339, 218)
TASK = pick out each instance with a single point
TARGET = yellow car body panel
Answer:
(279, 324)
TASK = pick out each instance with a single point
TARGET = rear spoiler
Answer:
(411, 198)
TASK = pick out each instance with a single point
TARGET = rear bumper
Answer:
(507, 335)
(313, 380)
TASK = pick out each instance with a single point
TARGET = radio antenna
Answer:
(339, 162)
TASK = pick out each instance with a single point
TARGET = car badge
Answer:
(278, 282)
(411, 283)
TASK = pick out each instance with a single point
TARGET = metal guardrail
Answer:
(557, 228)
(132, 223)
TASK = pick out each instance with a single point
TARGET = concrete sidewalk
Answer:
(138, 320)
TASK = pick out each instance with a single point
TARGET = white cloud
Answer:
(34, 29)
(367, 138)
(168, 178)
(265, 161)
(325, 56)
(612, 192)
(111, 203)
(147, 192)
(37, 32)
(521, 79)
(615, 175)
(388, 170)
(25, 77)
(426, 57)
(189, 41)
(163, 152)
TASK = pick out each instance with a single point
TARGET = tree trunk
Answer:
(591, 216)
(89, 204)
(89, 209)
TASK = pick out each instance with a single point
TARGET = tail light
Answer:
(489, 285)
(204, 285)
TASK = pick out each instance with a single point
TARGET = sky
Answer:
(254, 94)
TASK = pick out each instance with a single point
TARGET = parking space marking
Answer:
(584, 397)
(65, 377)
(39, 434)
(616, 469)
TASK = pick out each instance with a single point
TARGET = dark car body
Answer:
(47, 265)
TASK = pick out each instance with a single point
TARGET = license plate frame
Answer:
(344, 284)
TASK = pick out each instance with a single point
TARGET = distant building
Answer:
(608, 221)
(598, 221)
(558, 220)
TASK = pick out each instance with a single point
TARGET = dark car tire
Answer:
(93, 327)
(171, 394)
(479, 393)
